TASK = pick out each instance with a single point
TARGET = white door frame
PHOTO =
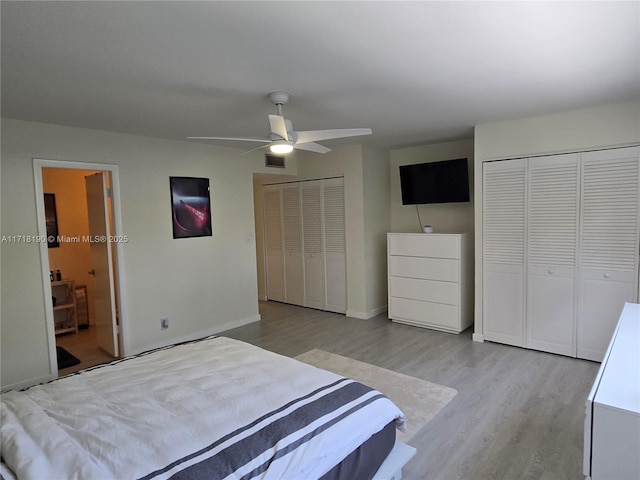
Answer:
(38, 165)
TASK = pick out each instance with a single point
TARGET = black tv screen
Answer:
(435, 182)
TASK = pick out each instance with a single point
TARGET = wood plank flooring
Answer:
(518, 414)
(84, 346)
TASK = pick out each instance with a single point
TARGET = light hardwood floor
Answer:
(518, 413)
(84, 346)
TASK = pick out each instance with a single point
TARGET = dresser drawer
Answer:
(425, 290)
(429, 314)
(443, 269)
(425, 245)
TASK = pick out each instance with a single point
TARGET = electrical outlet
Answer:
(164, 323)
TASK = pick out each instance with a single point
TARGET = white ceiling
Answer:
(414, 72)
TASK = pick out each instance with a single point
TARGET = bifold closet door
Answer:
(312, 235)
(504, 251)
(610, 232)
(305, 243)
(292, 234)
(552, 242)
(335, 244)
(274, 248)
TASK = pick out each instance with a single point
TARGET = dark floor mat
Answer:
(65, 359)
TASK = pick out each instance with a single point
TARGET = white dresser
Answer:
(612, 422)
(431, 280)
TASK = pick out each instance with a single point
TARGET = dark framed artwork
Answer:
(51, 219)
(190, 207)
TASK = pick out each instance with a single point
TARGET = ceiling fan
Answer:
(283, 139)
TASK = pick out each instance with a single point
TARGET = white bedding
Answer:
(216, 407)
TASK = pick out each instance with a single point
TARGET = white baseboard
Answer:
(185, 338)
(477, 337)
(214, 330)
(233, 324)
(27, 383)
(377, 311)
(366, 315)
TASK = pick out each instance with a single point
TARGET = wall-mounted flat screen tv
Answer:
(435, 182)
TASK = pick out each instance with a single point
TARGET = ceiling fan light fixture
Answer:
(281, 147)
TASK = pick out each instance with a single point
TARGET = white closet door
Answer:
(504, 251)
(312, 228)
(292, 233)
(552, 240)
(274, 248)
(610, 231)
(335, 244)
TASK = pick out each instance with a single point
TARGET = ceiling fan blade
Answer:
(312, 147)
(254, 149)
(315, 135)
(263, 140)
(278, 126)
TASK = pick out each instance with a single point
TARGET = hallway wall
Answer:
(72, 258)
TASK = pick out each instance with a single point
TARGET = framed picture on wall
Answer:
(190, 207)
(51, 219)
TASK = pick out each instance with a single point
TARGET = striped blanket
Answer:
(215, 408)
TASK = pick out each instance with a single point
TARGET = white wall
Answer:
(578, 130)
(445, 218)
(345, 162)
(203, 285)
(366, 184)
(376, 191)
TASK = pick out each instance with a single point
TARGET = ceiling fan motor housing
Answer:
(279, 98)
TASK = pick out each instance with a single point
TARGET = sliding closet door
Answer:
(274, 248)
(504, 251)
(312, 228)
(292, 233)
(335, 244)
(610, 231)
(552, 237)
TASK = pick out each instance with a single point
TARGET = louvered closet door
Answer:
(314, 284)
(292, 233)
(503, 251)
(610, 244)
(552, 241)
(335, 244)
(274, 248)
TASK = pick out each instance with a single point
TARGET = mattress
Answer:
(212, 408)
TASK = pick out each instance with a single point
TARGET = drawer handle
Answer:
(551, 272)
(606, 275)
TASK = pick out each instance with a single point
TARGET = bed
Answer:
(213, 408)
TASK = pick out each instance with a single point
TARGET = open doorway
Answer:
(81, 263)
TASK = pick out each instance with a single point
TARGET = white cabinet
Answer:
(305, 245)
(612, 421)
(561, 235)
(430, 280)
